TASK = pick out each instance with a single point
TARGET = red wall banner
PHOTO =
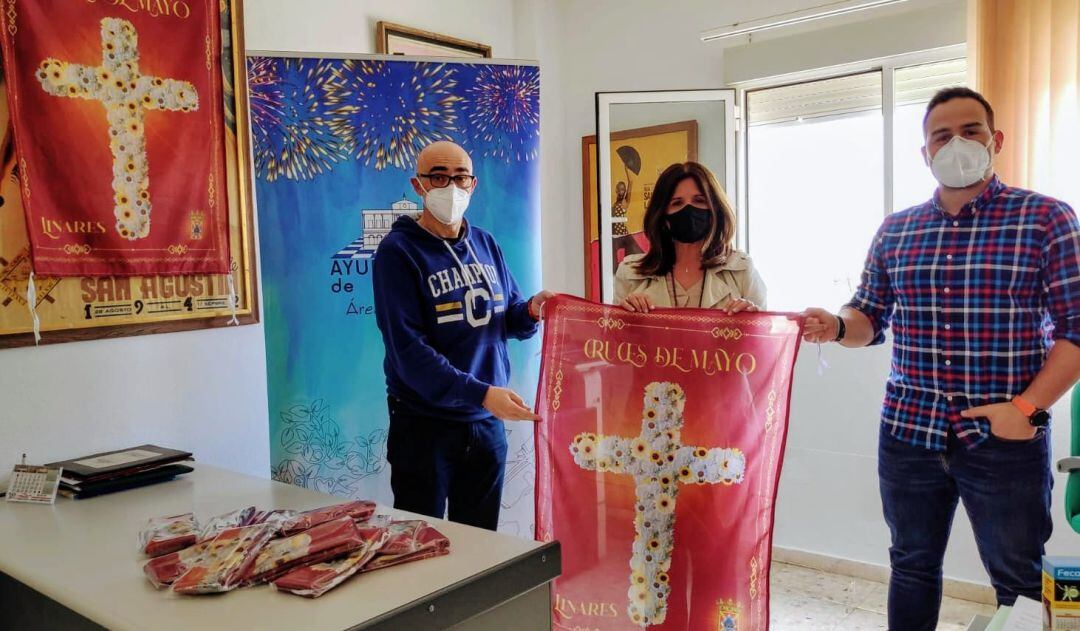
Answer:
(118, 118)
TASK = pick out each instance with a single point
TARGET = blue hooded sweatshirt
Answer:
(446, 309)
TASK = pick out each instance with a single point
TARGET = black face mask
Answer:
(690, 224)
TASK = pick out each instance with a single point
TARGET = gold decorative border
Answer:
(76, 250)
(693, 315)
(12, 18)
(611, 323)
(23, 178)
(753, 578)
(770, 412)
(556, 402)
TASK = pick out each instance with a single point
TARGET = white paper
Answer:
(1026, 615)
(123, 457)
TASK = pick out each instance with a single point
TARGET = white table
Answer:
(75, 565)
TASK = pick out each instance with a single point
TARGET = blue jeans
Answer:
(435, 462)
(1005, 487)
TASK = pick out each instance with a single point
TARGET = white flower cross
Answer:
(127, 95)
(659, 462)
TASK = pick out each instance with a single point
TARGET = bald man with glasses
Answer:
(446, 305)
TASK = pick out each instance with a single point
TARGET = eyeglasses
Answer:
(442, 180)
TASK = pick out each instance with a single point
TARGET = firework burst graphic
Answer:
(265, 98)
(503, 110)
(289, 118)
(387, 111)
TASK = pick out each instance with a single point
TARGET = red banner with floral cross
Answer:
(658, 459)
(119, 123)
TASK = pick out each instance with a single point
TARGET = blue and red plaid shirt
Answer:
(975, 302)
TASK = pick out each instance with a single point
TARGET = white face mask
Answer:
(447, 204)
(961, 162)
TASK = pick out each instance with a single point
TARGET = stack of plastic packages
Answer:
(304, 553)
(409, 541)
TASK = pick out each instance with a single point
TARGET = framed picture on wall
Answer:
(395, 39)
(638, 156)
(73, 308)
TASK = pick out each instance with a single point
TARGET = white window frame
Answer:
(886, 65)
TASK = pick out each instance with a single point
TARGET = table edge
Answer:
(474, 595)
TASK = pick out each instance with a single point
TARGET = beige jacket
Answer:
(736, 278)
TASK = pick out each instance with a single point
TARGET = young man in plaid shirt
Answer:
(981, 286)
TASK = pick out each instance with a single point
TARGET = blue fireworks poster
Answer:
(335, 143)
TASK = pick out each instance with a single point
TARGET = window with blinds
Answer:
(821, 173)
(851, 94)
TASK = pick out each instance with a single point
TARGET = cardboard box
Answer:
(1061, 593)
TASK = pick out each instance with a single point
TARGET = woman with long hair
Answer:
(692, 260)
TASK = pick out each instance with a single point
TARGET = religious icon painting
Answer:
(638, 156)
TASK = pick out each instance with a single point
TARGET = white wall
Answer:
(829, 502)
(537, 27)
(916, 25)
(348, 26)
(203, 391)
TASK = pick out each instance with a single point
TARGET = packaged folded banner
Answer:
(164, 570)
(409, 541)
(224, 564)
(233, 519)
(325, 541)
(407, 537)
(163, 535)
(315, 580)
(359, 510)
(274, 518)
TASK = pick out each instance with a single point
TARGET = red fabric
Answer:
(223, 565)
(164, 570)
(659, 456)
(325, 541)
(118, 117)
(409, 541)
(165, 535)
(315, 580)
(359, 510)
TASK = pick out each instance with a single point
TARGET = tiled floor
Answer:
(818, 601)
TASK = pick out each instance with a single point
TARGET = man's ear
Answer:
(416, 187)
(999, 141)
(925, 155)
(475, 184)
